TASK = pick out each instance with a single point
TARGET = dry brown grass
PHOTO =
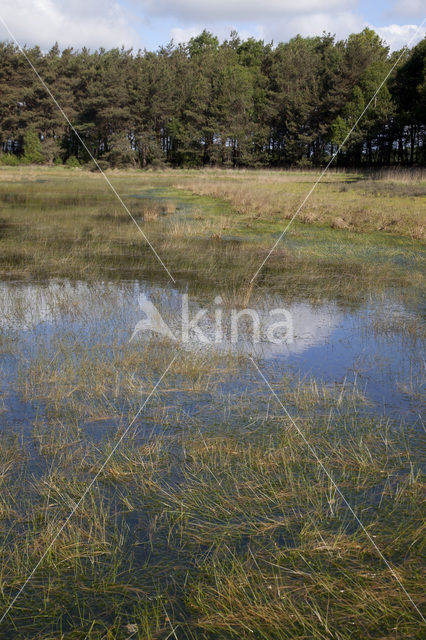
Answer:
(394, 204)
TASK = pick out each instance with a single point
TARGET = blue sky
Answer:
(151, 23)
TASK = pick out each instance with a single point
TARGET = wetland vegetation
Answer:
(212, 519)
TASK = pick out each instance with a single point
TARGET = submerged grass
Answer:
(219, 530)
(211, 520)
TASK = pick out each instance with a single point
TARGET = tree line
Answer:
(239, 103)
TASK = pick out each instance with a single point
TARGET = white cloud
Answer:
(180, 35)
(210, 11)
(408, 9)
(75, 23)
(398, 35)
(340, 24)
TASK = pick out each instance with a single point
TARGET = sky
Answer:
(149, 24)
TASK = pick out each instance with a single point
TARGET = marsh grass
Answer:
(62, 223)
(211, 520)
(392, 202)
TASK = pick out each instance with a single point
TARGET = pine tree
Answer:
(33, 151)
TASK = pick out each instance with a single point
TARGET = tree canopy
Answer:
(239, 103)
